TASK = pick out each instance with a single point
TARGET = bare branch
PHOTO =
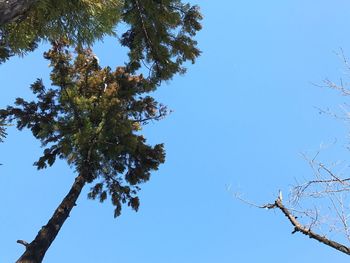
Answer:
(22, 242)
(298, 227)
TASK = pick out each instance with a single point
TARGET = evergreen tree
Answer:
(82, 21)
(91, 117)
(160, 31)
(161, 34)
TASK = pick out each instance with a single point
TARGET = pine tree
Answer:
(91, 116)
(82, 21)
(161, 34)
(160, 31)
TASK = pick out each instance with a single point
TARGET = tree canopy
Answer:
(80, 21)
(159, 35)
(91, 116)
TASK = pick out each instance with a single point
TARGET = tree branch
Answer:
(298, 227)
(22, 242)
(12, 10)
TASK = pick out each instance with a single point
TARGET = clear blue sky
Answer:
(242, 114)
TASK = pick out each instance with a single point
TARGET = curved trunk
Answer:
(11, 10)
(35, 251)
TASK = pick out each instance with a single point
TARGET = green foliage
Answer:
(91, 117)
(81, 21)
(160, 35)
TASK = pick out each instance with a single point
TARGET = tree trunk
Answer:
(35, 251)
(11, 10)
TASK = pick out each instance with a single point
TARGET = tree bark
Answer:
(298, 227)
(35, 251)
(11, 10)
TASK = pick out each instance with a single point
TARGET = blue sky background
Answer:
(242, 115)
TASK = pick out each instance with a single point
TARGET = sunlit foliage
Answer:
(81, 21)
(160, 33)
(92, 117)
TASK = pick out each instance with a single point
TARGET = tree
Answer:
(160, 32)
(82, 21)
(318, 206)
(92, 116)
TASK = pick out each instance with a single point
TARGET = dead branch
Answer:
(22, 242)
(298, 227)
